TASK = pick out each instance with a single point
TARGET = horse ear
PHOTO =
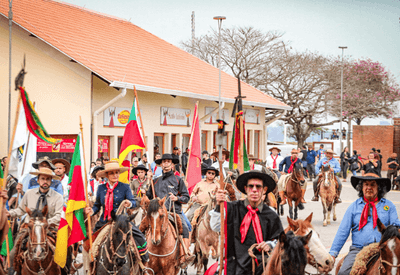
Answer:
(309, 218)
(28, 211)
(293, 224)
(306, 238)
(381, 226)
(45, 211)
(132, 217)
(162, 201)
(282, 237)
(145, 201)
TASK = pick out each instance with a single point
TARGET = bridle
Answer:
(381, 262)
(164, 222)
(313, 262)
(295, 179)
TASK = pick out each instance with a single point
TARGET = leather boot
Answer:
(338, 199)
(283, 198)
(185, 259)
(303, 191)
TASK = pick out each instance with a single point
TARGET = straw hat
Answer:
(67, 165)
(224, 151)
(274, 148)
(330, 151)
(45, 171)
(44, 159)
(111, 165)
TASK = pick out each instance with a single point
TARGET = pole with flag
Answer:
(194, 160)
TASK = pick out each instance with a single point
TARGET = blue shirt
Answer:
(367, 234)
(311, 155)
(321, 152)
(158, 172)
(55, 185)
(287, 162)
(333, 163)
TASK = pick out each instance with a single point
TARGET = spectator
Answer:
(184, 159)
(99, 162)
(344, 162)
(206, 158)
(379, 154)
(344, 133)
(304, 159)
(175, 155)
(393, 163)
(353, 162)
(157, 170)
(145, 162)
(333, 134)
(311, 155)
(373, 166)
(321, 152)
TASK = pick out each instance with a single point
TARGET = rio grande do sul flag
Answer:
(72, 226)
(132, 139)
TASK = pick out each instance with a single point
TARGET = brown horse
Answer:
(205, 238)
(39, 258)
(317, 255)
(289, 255)
(388, 260)
(293, 190)
(327, 192)
(162, 240)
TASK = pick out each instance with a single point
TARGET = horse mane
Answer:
(390, 232)
(37, 214)
(154, 206)
(297, 166)
(295, 253)
(326, 168)
(122, 222)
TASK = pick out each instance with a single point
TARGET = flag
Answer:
(33, 122)
(234, 154)
(193, 171)
(10, 242)
(132, 139)
(124, 177)
(1, 176)
(72, 225)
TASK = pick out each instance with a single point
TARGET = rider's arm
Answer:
(129, 197)
(318, 166)
(184, 193)
(281, 165)
(20, 210)
(344, 230)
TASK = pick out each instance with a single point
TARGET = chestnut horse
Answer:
(289, 255)
(317, 255)
(162, 240)
(327, 192)
(388, 262)
(293, 190)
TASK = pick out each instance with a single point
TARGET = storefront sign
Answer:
(116, 117)
(174, 116)
(103, 145)
(65, 146)
(213, 118)
(252, 116)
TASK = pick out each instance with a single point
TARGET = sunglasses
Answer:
(211, 173)
(257, 186)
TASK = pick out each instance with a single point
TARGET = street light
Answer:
(341, 101)
(219, 18)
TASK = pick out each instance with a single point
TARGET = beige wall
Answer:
(60, 88)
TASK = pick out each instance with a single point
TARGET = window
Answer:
(204, 140)
(158, 143)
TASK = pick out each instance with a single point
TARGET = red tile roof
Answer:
(117, 50)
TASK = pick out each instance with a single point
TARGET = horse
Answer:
(387, 261)
(115, 255)
(293, 190)
(289, 256)
(39, 258)
(327, 191)
(162, 238)
(205, 237)
(317, 255)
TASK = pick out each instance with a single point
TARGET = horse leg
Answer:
(334, 211)
(290, 209)
(328, 220)
(295, 212)
(323, 201)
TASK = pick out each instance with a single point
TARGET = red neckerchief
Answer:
(252, 167)
(62, 177)
(291, 165)
(251, 217)
(109, 202)
(274, 159)
(365, 212)
(328, 160)
(140, 185)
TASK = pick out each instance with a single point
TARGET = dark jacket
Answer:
(342, 157)
(311, 155)
(370, 168)
(286, 161)
(185, 158)
(304, 158)
(393, 166)
(169, 183)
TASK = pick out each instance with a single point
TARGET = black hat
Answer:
(373, 149)
(167, 156)
(139, 167)
(355, 180)
(44, 159)
(96, 169)
(242, 180)
(210, 168)
(176, 148)
(204, 152)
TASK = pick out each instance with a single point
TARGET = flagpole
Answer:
(191, 137)
(85, 185)
(9, 151)
(144, 136)
(241, 149)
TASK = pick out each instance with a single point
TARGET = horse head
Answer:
(212, 202)
(317, 255)
(327, 176)
(389, 246)
(298, 173)
(293, 252)
(120, 236)
(158, 219)
(37, 248)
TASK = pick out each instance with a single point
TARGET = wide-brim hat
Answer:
(139, 167)
(96, 169)
(251, 156)
(45, 171)
(44, 159)
(63, 161)
(224, 151)
(167, 156)
(355, 180)
(111, 165)
(210, 168)
(330, 151)
(242, 180)
(274, 148)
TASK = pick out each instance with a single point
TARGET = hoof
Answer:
(334, 218)
(329, 222)
(324, 224)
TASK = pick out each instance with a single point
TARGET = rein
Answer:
(295, 179)
(254, 258)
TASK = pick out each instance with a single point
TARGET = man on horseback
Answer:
(363, 227)
(109, 197)
(172, 186)
(139, 185)
(258, 222)
(289, 163)
(273, 160)
(335, 168)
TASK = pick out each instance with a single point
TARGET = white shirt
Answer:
(64, 183)
(270, 162)
(225, 165)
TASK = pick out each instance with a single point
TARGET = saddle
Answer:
(365, 258)
(196, 220)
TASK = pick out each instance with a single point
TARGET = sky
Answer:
(370, 29)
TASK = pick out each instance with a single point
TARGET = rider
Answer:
(289, 163)
(274, 159)
(242, 219)
(62, 168)
(139, 183)
(357, 219)
(335, 168)
(177, 194)
(94, 183)
(109, 197)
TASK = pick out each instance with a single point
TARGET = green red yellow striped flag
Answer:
(1, 176)
(234, 153)
(33, 122)
(72, 226)
(10, 241)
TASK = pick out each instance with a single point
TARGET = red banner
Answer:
(65, 146)
(193, 172)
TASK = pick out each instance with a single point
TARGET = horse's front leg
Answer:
(323, 201)
(334, 211)
(295, 212)
(290, 208)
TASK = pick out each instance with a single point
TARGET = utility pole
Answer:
(341, 102)
(193, 30)
(10, 18)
